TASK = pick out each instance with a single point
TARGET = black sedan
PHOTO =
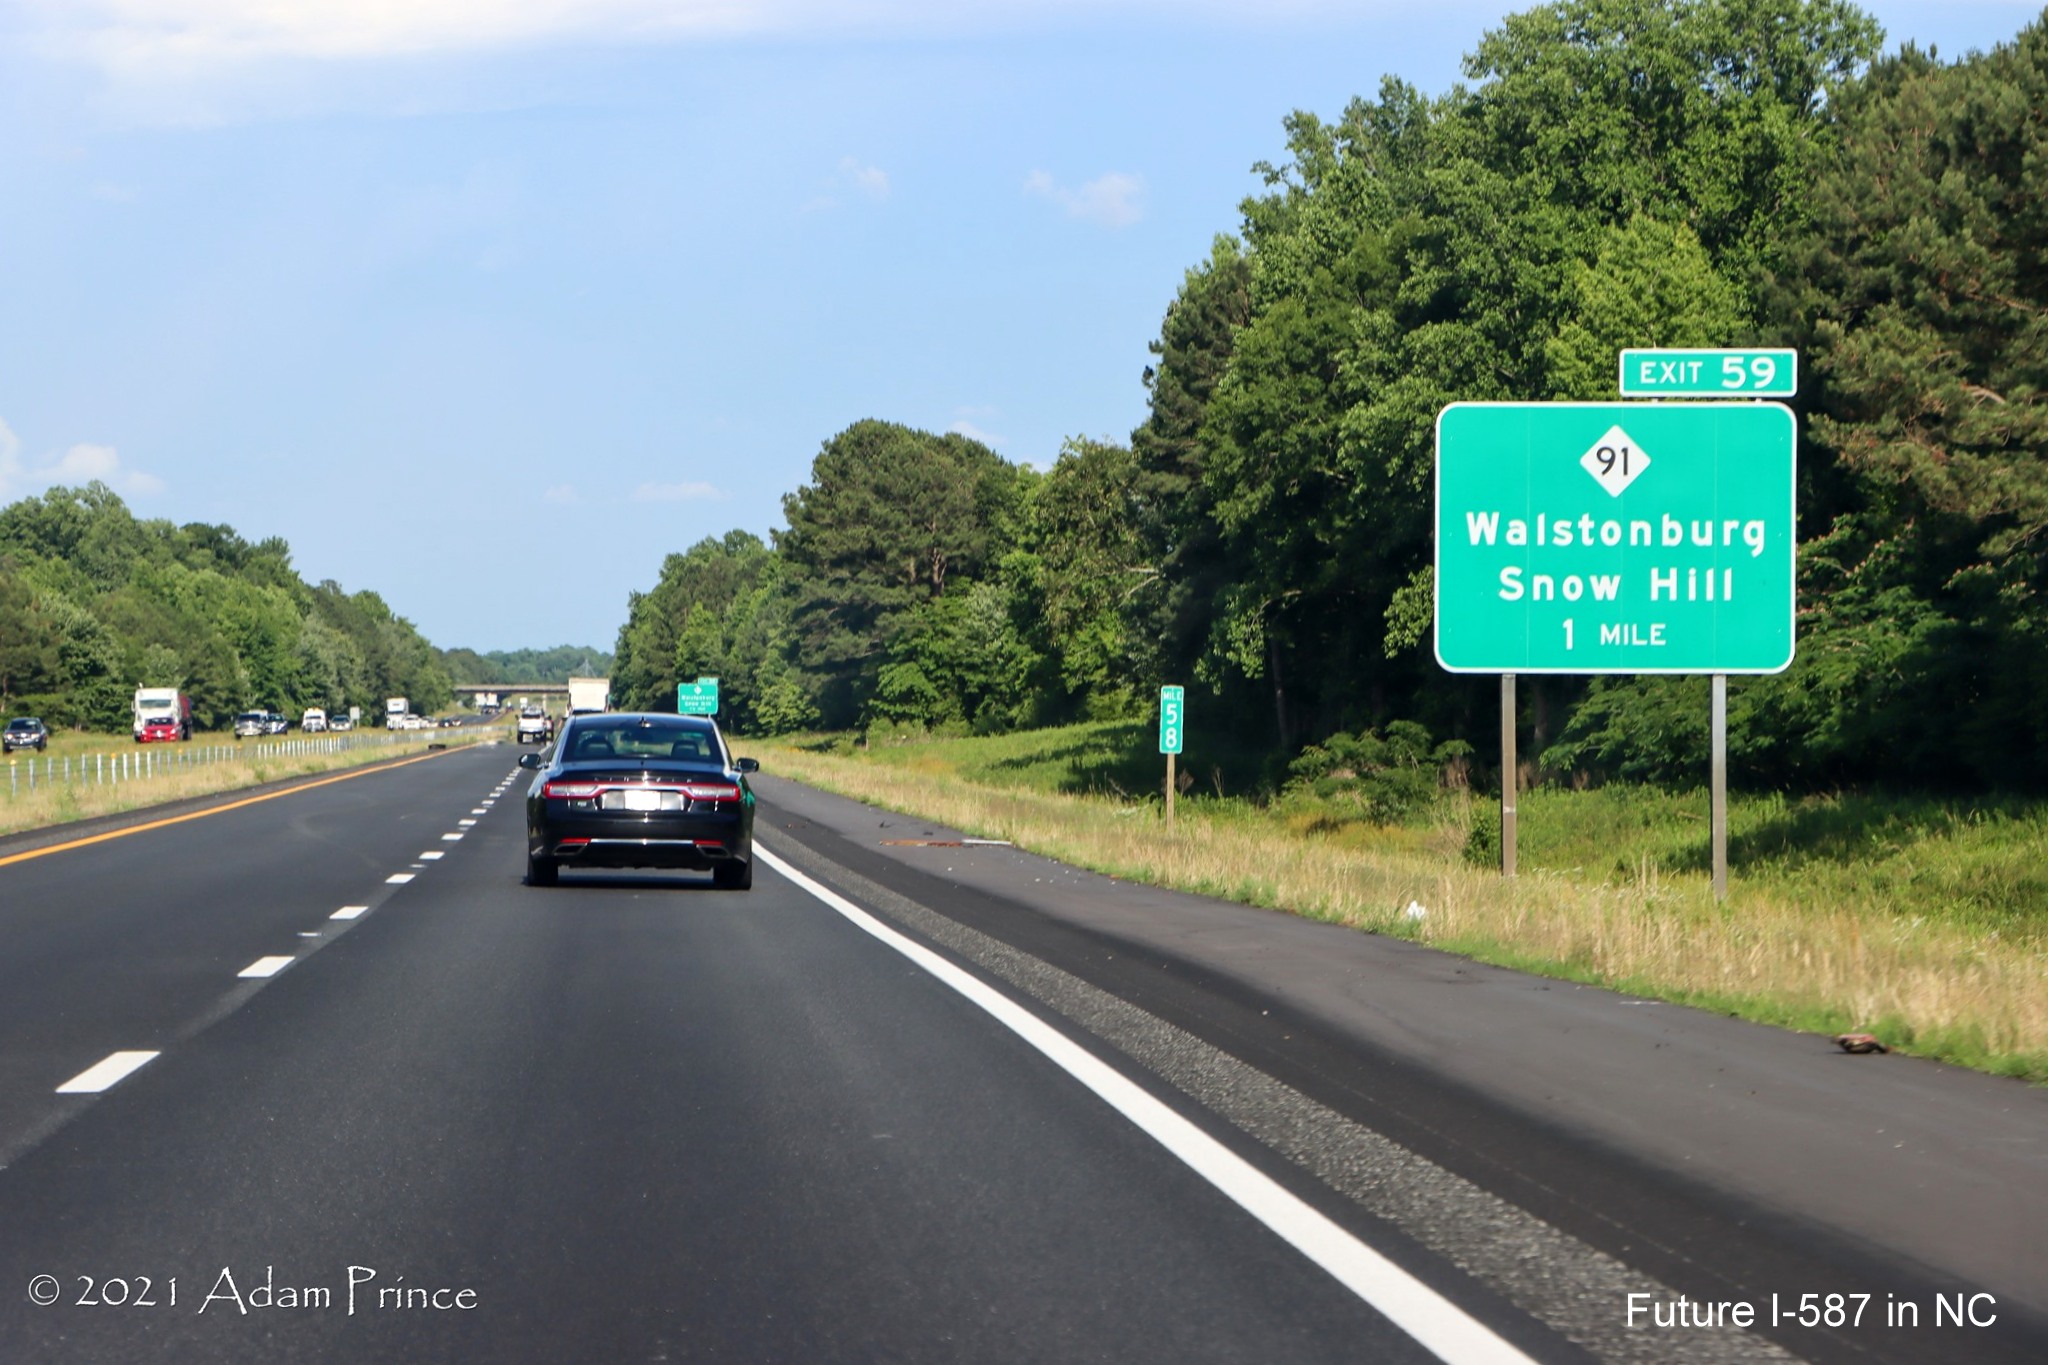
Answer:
(26, 732)
(627, 790)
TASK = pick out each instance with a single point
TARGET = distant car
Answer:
(449, 722)
(633, 790)
(252, 724)
(25, 732)
(340, 723)
(275, 724)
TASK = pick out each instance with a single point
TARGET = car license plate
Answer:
(642, 800)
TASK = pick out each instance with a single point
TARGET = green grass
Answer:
(1922, 919)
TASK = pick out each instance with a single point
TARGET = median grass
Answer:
(95, 784)
(1924, 921)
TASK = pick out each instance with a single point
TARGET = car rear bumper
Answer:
(700, 840)
(685, 854)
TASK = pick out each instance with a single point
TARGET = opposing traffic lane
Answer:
(136, 941)
(635, 1117)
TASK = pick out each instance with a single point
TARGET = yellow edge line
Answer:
(216, 810)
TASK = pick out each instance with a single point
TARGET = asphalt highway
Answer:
(315, 1077)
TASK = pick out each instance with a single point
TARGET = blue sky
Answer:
(489, 304)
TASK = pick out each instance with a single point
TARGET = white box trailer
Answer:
(589, 695)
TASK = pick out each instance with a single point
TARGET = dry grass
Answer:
(1928, 985)
(249, 765)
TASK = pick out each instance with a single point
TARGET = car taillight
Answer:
(560, 790)
(711, 791)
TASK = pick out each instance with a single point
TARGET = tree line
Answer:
(1611, 173)
(95, 603)
(555, 665)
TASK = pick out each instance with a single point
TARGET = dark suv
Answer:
(25, 732)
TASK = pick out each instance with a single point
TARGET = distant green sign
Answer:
(1172, 724)
(699, 698)
(1709, 374)
(1614, 537)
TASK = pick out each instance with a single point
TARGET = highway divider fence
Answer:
(42, 772)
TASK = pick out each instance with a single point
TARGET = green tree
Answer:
(890, 517)
(29, 660)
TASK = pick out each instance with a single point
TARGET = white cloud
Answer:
(561, 492)
(1111, 200)
(81, 464)
(674, 492)
(138, 37)
(975, 433)
(871, 181)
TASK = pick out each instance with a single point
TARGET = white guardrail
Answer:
(144, 762)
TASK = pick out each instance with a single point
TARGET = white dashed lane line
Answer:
(103, 1074)
(112, 1069)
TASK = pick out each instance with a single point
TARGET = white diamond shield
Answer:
(1615, 461)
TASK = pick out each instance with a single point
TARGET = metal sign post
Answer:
(1172, 701)
(1719, 796)
(1509, 765)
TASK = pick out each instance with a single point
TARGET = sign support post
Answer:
(1720, 784)
(1509, 766)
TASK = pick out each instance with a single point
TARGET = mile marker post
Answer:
(1172, 729)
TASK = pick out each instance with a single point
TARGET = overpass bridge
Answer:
(508, 692)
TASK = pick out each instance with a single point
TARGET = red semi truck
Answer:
(162, 713)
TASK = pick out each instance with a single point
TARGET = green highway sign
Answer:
(699, 698)
(1709, 374)
(1614, 537)
(1172, 724)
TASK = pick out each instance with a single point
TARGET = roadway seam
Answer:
(1573, 1288)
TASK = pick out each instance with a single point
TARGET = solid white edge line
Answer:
(265, 966)
(349, 912)
(105, 1073)
(1443, 1328)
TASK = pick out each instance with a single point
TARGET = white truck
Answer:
(162, 713)
(535, 725)
(314, 721)
(395, 709)
(589, 695)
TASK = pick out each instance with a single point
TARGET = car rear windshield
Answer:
(644, 740)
